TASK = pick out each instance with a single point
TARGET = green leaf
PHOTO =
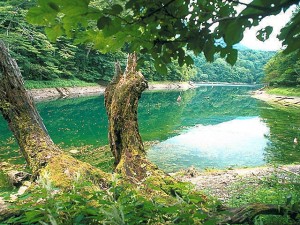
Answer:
(112, 27)
(232, 56)
(103, 21)
(188, 60)
(54, 32)
(116, 9)
(209, 50)
(264, 34)
(160, 67)
(234, 32)
(180, 54)
(293, 45)
(41, 15)
(53, 6)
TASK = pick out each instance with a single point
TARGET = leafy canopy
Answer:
(163, 28)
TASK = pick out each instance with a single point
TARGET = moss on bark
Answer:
(41, 154)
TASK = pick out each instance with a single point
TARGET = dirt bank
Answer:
(220, 183)
(53, 93)
(276, 99)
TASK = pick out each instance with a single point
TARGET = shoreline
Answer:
(220, 184)
(69, 92)
(273, 99)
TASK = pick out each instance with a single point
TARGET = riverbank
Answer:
(64, 92)
(282, 100)
(227, 184)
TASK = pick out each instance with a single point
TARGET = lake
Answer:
(212, 127)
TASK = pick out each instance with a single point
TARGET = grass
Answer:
(33, 84)
(277, 189)
(286, 91)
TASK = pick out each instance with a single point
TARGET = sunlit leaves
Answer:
(54, 32)
(151, 26)
(44, 14)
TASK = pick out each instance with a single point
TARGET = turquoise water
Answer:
(213, 126)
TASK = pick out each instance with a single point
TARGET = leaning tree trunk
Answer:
(41, 154)
(121, 102)
(19, 110)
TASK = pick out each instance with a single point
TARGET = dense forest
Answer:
(42, 60)
(283, 70)
(248, 68)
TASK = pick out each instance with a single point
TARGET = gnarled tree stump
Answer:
(121, 102)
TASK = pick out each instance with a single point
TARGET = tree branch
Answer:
(157, 10)
(265, 12)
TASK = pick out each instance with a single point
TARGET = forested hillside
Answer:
(248, 68)
(283, 70)
(40, 59)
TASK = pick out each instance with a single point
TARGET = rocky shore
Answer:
(53, 93)
(221, 184)
(276, 99)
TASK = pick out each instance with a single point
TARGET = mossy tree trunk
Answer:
(41, 154)
(121, 102)
(19, 110)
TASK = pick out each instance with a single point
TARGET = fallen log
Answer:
(247, 213)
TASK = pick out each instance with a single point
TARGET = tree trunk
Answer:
(41, 154)
(121, 102)
(19, 110)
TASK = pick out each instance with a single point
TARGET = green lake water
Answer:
(212, 127)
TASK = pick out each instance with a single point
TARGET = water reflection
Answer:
(212, 126)
(239, 142)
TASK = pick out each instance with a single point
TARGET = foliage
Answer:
(39, 59)
(44, 61)
(121, 204)
(279, 188)
(283, 70)
(165, 28)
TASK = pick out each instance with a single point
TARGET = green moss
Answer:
(100, 157)
(64, 170)
(4, 183)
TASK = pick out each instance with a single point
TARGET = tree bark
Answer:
(19, 110)
(121, 102)
(41, 154)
